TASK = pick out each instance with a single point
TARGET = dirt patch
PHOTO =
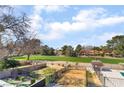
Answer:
(56, 67)
(73, 78)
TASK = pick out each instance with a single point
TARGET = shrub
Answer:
(33, 75)
(4, 64)
(33, 81)
(11, 63)
(1, 68)
(22, 78)
(17, 78)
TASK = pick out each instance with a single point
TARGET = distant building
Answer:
(96, 53)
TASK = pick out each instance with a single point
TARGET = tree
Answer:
(46, 50)
(31, 46)
(51, 51)
(64, 49)
(19, 47)
(116, 44)
(10, 47)
(12, 28)
(68, 50)
(78, 49)
(96, 48)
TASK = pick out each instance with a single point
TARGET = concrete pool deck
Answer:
(113, 74)
(112, 78)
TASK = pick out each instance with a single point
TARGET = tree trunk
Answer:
(28, 56)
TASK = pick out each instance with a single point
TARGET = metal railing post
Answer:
(104, 81)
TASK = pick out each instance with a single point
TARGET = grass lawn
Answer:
(72, 59)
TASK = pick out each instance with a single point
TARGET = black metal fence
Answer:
(40, 83)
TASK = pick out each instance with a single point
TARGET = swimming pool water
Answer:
(122, 73)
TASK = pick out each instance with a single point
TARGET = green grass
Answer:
(112, 61)
(71, 59)
(55, 58)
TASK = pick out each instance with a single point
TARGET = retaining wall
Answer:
(15, 71)
(5, 73)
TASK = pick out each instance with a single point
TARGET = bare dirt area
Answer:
(56, 67)
(73, 78)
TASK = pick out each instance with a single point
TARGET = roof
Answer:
(95, 51)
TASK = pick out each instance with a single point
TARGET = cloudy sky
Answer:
(72, 25)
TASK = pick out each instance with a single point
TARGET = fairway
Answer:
(71, 59)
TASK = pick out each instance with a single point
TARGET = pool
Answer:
(122, 73)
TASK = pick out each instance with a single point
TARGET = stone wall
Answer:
(15, 71)
(31, 67)
(70, 64)
(5, 73)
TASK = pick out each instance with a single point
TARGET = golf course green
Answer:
(71, 59)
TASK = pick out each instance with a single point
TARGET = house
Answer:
(96, 53)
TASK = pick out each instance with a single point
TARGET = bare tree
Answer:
(12, 28)
(31, 46)
(11, 48)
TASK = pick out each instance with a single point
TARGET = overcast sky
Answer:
(72, 25)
